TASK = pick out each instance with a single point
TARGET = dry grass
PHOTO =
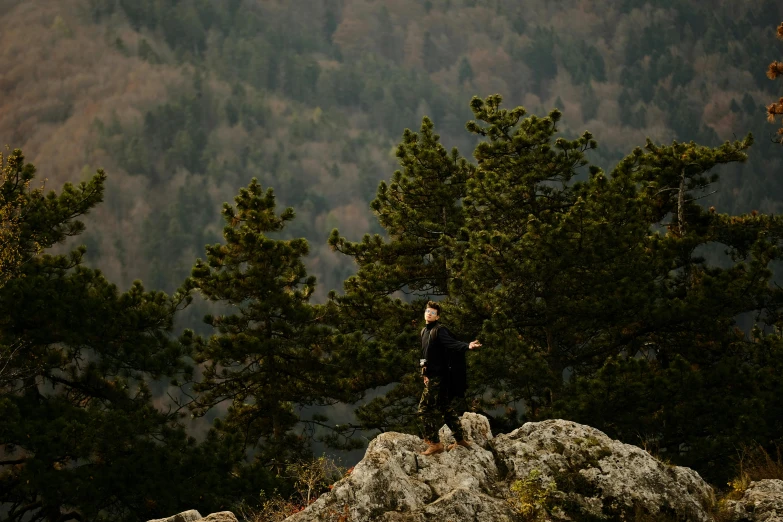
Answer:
(754, 463)
(311, 479)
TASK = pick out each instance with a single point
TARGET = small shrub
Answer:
(311, 478)
(532, 496)
(275, 509)
(758, 464)
(753, 463)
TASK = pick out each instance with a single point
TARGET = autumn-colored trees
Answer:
(15, 248)
(374, 68)
(776, 108)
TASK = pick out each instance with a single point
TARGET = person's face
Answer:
(431, 315)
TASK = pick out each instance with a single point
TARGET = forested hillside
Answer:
(183, 101)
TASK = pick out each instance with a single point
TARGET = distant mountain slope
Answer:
(183, 101)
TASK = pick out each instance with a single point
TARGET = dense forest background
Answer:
(183, 102)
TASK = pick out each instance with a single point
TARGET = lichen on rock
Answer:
(762, 501)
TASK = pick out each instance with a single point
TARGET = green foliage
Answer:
(33, 221)
(539, 55)
(603, 282)
(275, 352)
(465, 73)
(15, 248)
(749, 104)
(377, 69)
(583, 62)
(420, 212)
(146, 52)
(169, 235)
(532, 496)
(81, 438)
(593, 298)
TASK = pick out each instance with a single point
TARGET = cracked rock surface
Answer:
(193, 516)
(567, 471)
(761, 502)
(186, 516)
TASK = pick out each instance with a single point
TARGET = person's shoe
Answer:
(433, 448)
(463, 443)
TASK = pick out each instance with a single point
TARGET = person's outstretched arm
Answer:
(449, 342)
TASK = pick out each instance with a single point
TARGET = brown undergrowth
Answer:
(311, 479)
(754, 463)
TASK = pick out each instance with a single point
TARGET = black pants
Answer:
(437, 407)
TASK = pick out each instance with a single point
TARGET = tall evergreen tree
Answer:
(571, 282)
(421, 212)
(692, 380)
(465, 71)
(80, 438)
(273, 352)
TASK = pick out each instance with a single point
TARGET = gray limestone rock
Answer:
(395, 483)
(761, 502)
(475, 427)
(185, 516)
(193, 515)
(558, 469)
(601, 476)
(220, 516)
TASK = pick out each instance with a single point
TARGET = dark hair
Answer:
(434, 306)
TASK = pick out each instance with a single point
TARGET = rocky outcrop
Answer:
(598, 476)
(544, 471)
(220, 516)
(186, 516)
(551, 470)
(761, 502)
(193, 515)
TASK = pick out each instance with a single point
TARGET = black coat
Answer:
(445, 358)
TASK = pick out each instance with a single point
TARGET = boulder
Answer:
(193, 515)
(595, 475)
(551, 470)
(185, 516)
(476, 429)
(220, 516)
(761, 502)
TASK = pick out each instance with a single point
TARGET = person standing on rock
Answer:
(445, 381)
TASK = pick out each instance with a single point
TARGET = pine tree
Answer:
(590, 102)
(703, 371)
(430, 55)
(16, 244)
(593, 298)
(465, 73)
(421, 213)
(571, 278)
(749, 104)
(80, 438)
(521, 211)
(274, 353)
